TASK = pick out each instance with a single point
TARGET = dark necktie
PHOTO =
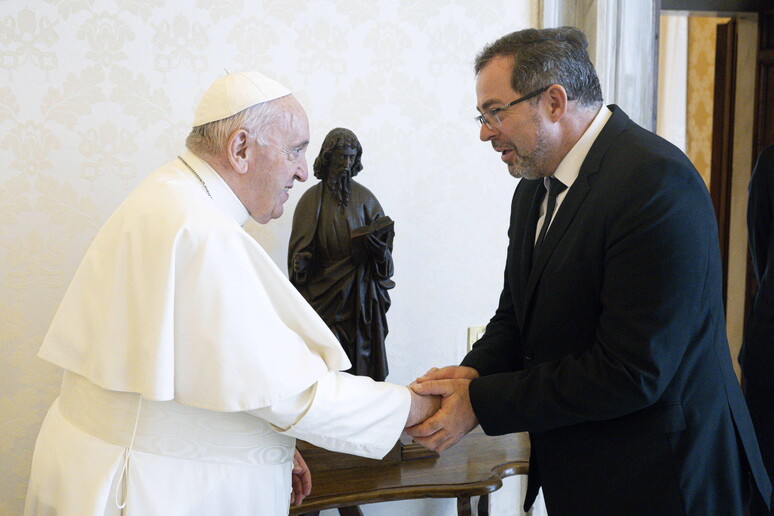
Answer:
(555, 187)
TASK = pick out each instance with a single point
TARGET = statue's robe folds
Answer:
(352, 298)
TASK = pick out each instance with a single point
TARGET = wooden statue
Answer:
(340, 254)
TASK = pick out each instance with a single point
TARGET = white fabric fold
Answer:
(170, 429)
(174, 300)
(344, 413)
(76, 474)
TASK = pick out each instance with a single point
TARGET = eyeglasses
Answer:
(492, 119)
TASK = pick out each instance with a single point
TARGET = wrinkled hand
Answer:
(448, 373)
(301, 479)
(453, 420)
(422, 407)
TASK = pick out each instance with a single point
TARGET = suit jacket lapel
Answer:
(562, 219)
(525, 244)
(574, 199)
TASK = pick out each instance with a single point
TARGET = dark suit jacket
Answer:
(757, 355)
(609, 344)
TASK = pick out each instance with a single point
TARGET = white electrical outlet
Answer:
(475, 333)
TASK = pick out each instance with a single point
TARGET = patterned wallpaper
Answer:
(701, 84)
(97, 93)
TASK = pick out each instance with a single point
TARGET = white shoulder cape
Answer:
(174, 300)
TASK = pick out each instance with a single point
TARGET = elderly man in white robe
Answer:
(191, 364)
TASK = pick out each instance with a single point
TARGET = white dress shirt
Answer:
(569, 167)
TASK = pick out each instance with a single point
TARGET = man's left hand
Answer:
(453, 420)
(301, 478)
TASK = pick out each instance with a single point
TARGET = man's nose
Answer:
(302, 174)
(485, 133)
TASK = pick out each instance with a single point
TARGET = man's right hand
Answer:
(452, 421)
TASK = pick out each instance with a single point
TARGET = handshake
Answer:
(439, 417)
(441, 413)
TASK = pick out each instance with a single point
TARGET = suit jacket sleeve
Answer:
(757, 357)
(759, 212)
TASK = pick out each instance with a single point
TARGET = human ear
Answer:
(557, 102)
(238, 150)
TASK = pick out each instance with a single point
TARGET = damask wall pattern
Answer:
(96, 94)
(701, 91)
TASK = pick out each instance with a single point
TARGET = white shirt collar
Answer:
(221, 193)
(569, 168)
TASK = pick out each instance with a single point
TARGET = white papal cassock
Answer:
(191, 365)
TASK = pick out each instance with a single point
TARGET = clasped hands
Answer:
(441, 413)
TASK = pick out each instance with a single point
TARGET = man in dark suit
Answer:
(757, 355)
(608, 344)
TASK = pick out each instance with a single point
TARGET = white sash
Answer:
(171, 429)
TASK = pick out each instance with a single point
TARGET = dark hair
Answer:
(543, 57)
(337, 138)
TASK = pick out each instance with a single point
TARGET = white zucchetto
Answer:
(235, 92)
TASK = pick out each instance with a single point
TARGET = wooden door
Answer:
(723, 136)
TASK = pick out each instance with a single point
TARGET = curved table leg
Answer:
(483, 505)
(463, 506)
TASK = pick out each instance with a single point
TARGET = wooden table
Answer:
(475, 466)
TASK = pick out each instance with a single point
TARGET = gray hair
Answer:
(210, 139)
(548, 56)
